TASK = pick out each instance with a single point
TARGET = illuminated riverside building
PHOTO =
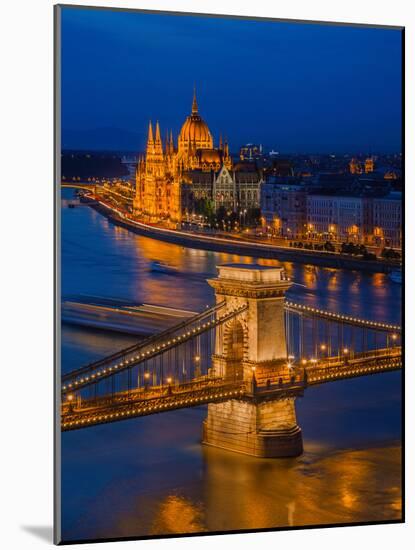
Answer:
(357, 167)
(250, 152)
(344, 218)
(369, 165)
(295, 212)
(387, 220)
(284, 209)
(362, 220)
(170, 177)
(237, 188)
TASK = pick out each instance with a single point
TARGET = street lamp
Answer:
(197, 366)
(70, 398)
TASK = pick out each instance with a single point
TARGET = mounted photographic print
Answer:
(229, 257)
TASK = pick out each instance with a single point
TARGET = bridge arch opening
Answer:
(234, 348)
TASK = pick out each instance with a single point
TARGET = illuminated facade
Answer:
(284, 208)
(342, 218)
(369, 165)
(238, 188)
(250, 152)
(355, 167)
(164, 176)
(387, 220)
(294, 212)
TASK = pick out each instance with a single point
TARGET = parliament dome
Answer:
(195, 132)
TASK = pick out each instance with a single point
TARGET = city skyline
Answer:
(289, 102)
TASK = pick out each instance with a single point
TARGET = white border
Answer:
(27, 244)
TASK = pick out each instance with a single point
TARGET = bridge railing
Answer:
(353, 357)
(370, 365)
(146, 393)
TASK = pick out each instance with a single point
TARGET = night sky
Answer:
(292, 87)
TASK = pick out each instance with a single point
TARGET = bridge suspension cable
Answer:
(151, 351)
(314, 336)
(140, 346)
(345, 319)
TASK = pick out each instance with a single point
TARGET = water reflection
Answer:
(102, 259)
(311, 490)
(163, 490)
(177, 514)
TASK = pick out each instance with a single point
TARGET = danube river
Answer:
(151, 476)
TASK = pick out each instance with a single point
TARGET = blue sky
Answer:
(292, 86)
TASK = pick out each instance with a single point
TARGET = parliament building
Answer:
(171, 177)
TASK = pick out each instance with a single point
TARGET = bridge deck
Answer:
(143, 402)
(123, 406)
(362, 365)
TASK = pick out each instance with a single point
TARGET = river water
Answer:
(151, 476)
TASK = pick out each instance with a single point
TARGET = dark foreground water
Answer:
(151, 476)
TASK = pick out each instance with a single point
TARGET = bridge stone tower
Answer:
(252, 348)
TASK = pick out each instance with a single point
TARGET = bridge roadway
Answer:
(361, 364)
(140, 402)
(146, 401)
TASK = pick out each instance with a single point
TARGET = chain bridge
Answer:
(248, 358)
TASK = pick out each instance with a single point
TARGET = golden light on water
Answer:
(177, 514)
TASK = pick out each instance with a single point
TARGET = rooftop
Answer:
(256, 267)
(253, 274)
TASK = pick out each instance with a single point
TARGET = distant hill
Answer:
(103, 139)
(91, 165)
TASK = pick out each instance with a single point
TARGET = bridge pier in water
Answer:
(252, 348)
